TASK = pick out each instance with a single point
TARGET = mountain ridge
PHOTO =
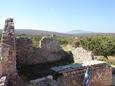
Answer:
(79, 32)
(37, 32)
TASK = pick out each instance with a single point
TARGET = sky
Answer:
(60, 15)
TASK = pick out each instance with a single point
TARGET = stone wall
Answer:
(7, 50)
(44, 81)
(49, 44)
(49, 50)
(8, 55)
(24, 50)
(100, 76)
(80, 55)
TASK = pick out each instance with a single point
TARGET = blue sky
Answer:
(60, 15)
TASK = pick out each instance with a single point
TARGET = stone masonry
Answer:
(49, 50)
(8, 55)
(101, 75)
(80, 55)
(8, 51)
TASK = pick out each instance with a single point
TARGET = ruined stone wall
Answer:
(49, 50)
(80, 55)
(44, 81)
(100, 76)
(49, 44)
(24, 50)
(8, 70)
(7, 50)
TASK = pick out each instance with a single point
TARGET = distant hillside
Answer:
(36, 32)
(70, 33)
(88, 33)
(79, 32)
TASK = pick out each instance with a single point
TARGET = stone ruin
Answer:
(49, 50)
(19, 50)
(8, 70)
(73, 74)
(15, 51)
(80, 55)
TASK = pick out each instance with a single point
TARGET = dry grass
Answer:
(68, 48)
(110, 60)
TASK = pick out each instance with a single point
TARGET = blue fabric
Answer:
(87, 77)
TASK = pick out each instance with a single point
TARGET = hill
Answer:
(70, 33)
(37, 32)
(79, 32)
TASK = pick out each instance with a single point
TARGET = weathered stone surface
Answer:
(8, 55)
(8, 51)
(44, 81)
(49, 51)
(80, 55)
(2, 80)
(100, 76)
(8, 36)
(24, 50)
(49, 44)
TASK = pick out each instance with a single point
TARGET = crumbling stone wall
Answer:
(49, 50)
(8, 52)
(80, 55)
(100, 76)
(49, 44)
(44, 81)
(24, 50)
(8, 56)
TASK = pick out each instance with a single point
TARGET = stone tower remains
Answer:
(8, 54)
(8, 50)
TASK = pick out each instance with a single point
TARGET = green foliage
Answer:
(64, 40)
(99, 44)
(0, 35)
(76, 43)
(35, 40)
